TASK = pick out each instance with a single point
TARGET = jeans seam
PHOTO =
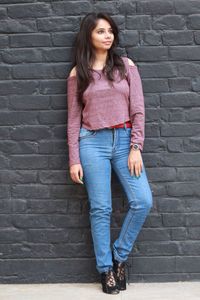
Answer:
(135, 200)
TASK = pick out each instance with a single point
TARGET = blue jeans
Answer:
(99, 151)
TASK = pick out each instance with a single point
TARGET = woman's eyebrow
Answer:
(104, 28)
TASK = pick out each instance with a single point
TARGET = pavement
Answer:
(92, 291)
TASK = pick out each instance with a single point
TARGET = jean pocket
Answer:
(128, 131)
(86, 133)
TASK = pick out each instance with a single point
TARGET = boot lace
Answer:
(110, 279)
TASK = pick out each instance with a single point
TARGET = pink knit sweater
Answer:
(105, 105)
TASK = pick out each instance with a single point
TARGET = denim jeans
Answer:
(101, 150)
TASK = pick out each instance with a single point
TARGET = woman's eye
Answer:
(103, 31)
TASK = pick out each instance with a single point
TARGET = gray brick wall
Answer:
(44, 226)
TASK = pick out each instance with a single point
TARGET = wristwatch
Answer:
(135, 147)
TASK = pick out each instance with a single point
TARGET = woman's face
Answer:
(102, 35)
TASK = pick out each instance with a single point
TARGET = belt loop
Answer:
(124, 125)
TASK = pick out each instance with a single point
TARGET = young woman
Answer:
(105, 130)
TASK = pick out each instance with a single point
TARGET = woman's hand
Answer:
(135, 162)
(76, 173)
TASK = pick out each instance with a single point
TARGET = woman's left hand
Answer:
(135, 162)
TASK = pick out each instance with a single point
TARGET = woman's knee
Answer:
(143, 200)
(97, 211)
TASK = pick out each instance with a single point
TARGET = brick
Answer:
(151, 37)
(30, 132)
(179, 84)
(183, 189)
(177, 159)
(4, 163)
(20, 88)
(190, 264)
(156, 7)
(5, 72)
(175, 144)
(36, 206)
(138, 22)
(155, 265)
(30, 40)
(170, 205)
(10, 176)
(155, 85)
(192, 204)
(185, 7)
(162, 174)
(18, 118)
(129, 38)
(30, 102)
(63, 38)
(127, 7)
(192, 219)
(193, 21)
(29, 10)
(52, 147)
(150, 53)
(187, 129)
(29, 161)
(189, 247)
(174, 219)
(191, 144)
(58, 24)
(196, 84)
(193, 233)
(52, 177)
(32, 190)
(58, 102)
(177, 37)
(33, 71)
(154, 234)
(183, 99)
(178, 234)
(14, 56)
(154, 145)
(52, 86)
(168, 22)
(193, 115)
(12, 26)
(52, 117)
(71, 7)
(4, 41)
(183, 52)
(197, 37)
(4, 133)
(3, 103)
(188, 174)
(11, 235)
(169, 248)
(157, 70)
(8, 146)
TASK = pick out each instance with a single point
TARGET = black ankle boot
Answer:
(119, 269)
(109, 283)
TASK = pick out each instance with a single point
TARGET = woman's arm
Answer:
(74, 119)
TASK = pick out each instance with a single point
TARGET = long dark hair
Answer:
(84, 53)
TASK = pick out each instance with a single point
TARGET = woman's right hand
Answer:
(76, 173)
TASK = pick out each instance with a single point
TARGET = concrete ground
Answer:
(84, 291)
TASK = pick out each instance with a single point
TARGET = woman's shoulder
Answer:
(127, 61)
(72, 72)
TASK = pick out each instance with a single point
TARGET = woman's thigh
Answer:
(137, 190)
(95, 161)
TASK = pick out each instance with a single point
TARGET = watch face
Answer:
(135, 146)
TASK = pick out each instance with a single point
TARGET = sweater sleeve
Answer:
(137, 108)
(73, 121)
